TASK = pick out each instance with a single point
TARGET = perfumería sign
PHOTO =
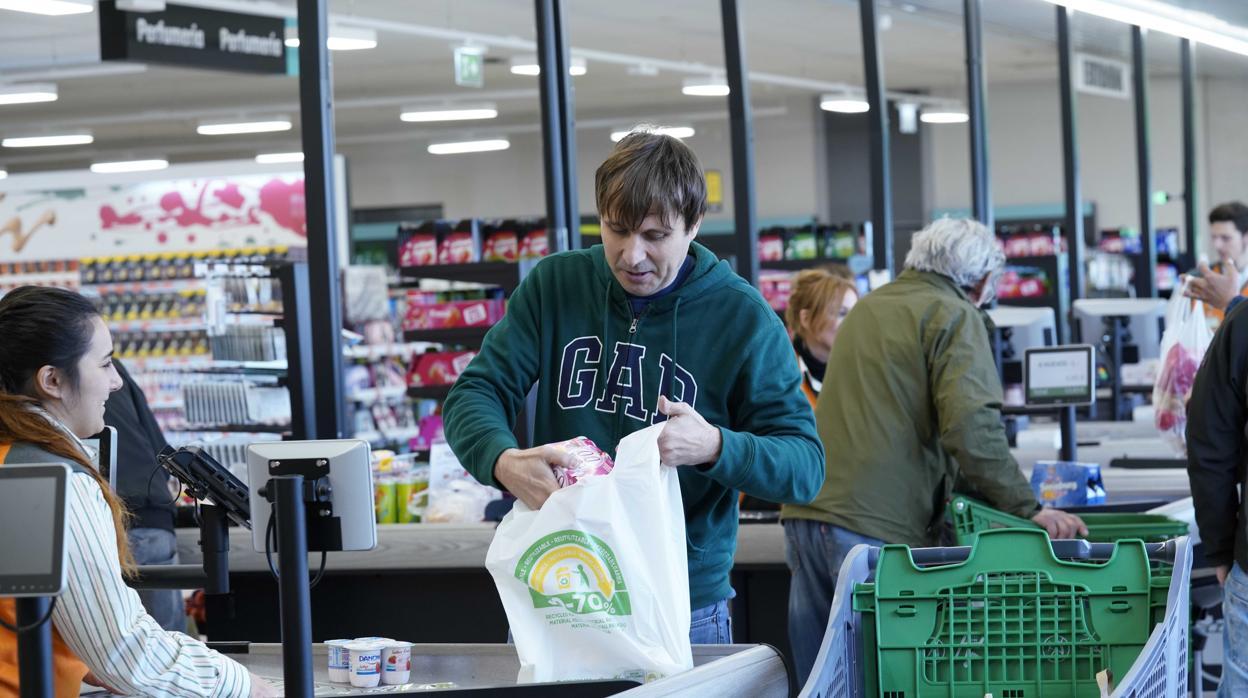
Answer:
(194, 37)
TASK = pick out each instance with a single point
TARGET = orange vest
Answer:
(67, 669)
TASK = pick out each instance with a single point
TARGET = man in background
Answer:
(1221, 285)
(145, 488)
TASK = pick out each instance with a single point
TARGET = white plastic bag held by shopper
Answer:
(595, 583)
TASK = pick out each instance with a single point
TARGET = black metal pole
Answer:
(317, 121)
(558, 126)
(1070, 445)
(297, 324)
(741, 124)
(881, 167)
(977, 108)
(296, 605)
(34, 648)
(1146, 286)
(1070, 156)
(1188, 81)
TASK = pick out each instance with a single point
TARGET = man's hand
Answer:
(1216, 289)
(687, 438)
(260, 688)
(528, 475)
(1059, 524)
(1223, 571)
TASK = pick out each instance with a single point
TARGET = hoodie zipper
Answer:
(632, 332)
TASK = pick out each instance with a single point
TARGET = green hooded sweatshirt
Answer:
(713, 343)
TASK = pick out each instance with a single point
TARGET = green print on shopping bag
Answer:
(574, 571)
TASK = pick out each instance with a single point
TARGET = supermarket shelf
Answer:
(372, 352)
(1033, 302)
(470, 336)
(167, 405)
(429, 392)
(389, 435)
(369, 396)
(800, 264)
(167, 325)
(504, 274)
(237, 428)
(147, 287)
(1031, 261)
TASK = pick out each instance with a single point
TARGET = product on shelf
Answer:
(461, 245)
(771, 245)
(249, 343)
(61, 273)
(1022, 282)
(1030, 240)
(449, 314)
(438, 368)
(534, 244)
(776, 288)
(239, 402)
(501, 243)
(800, 243)
(837, 242)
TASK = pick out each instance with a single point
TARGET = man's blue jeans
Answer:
(711, 625)
(814, 552)
(1235, 635)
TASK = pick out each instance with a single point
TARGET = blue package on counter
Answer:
(1066, 484)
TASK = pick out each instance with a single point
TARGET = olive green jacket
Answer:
(910, 402)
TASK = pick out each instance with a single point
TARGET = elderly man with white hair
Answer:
(911, 402)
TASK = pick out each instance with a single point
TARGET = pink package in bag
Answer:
(590, 461)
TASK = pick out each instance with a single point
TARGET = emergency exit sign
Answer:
(469, 66)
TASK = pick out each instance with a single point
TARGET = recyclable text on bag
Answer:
(595, 583)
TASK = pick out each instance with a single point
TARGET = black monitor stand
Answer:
(34, 647)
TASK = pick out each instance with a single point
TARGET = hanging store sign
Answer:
(194, 37)
(469, 66)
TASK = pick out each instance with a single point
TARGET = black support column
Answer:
(558, 126)
(317, 120)
(1144, 164)
(881, 174)
(981, 189)
(1070, 158)
(1188, 80)
(741, 125)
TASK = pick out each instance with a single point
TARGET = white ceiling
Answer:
(794, 47)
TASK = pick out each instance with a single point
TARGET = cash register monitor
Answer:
(33, 500)
(344, 518)
(1059, 376)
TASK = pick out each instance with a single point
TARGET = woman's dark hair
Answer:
(42, 327)
(48, 327)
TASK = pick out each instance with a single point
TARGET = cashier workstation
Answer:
(308, 497)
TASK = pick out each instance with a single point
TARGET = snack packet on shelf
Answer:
(591, 461)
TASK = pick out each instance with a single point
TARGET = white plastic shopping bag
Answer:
(596, 583)
(1183, 346)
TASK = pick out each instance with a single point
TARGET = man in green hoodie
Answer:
(646, 327)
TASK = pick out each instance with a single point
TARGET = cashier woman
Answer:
(56, 373)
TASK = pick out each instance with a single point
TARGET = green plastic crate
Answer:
(1012, 620)
(970, 517)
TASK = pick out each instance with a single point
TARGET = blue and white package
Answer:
(1066, 484)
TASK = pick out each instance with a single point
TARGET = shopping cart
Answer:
(1014, 615)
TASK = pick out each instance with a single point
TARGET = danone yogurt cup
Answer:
(365, 663)
(396, 662)
(339, 661)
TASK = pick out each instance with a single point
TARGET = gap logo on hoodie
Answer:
(623, 388)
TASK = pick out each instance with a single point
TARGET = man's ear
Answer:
(693, 230)
(49, 383)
